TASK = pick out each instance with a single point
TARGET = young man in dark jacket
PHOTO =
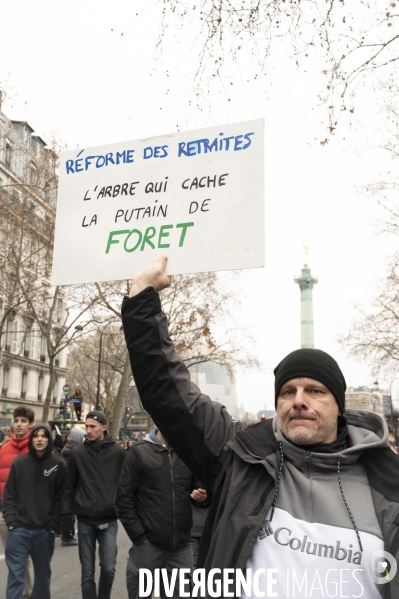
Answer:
(93, 472)
(153, 504)
(32, 511)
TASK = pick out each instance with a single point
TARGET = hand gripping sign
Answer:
(196, 196)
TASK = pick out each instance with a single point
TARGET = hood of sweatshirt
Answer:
(366, 430)
(49, 448)
(77, 435)
(151, 437)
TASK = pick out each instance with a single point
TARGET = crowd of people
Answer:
(314, 490)
(45, 487)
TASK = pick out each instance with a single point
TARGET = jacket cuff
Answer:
(148, 297)
(140, 540)
(52, 525)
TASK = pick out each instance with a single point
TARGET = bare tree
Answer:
(232, 41)
(37, 319)
(374, 333)
(200, 310)
(83, 371)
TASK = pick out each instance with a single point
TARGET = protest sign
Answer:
(197, 197)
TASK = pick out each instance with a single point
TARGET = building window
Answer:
(40, 386)
(5, 381)
(32, 174)
(60, 311)
(8, 154)
(17, 336)
(24, 383)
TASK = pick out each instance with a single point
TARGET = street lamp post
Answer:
(99, 372)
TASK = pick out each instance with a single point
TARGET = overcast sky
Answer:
(71, 71)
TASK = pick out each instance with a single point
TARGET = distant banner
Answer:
(197, 197)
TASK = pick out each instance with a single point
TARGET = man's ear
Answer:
(31, 425)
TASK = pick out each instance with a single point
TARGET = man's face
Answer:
(95, 430)
(307, 412)
(40, 441)
(22, 426)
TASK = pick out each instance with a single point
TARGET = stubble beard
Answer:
(309, 436)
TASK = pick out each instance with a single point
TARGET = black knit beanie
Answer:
(315, 364)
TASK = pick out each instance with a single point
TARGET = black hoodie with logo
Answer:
(33, 493)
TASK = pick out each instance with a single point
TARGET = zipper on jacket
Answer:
(307, 460)
(308, 464)
(173, 500)
(388, 536)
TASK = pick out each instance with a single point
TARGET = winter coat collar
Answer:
(368, 436)
(19, 443)
(366, 431)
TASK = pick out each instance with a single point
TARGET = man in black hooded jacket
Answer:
(302, 494)
(32, 512)
(93, 472)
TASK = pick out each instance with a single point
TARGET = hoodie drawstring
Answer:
(280, 445)
(347, 506)
(266, 528)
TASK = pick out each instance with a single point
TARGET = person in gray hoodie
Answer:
(77, 438)
(306, 503)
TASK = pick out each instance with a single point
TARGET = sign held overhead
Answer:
(196, 196)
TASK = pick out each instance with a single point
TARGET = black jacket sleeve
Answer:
(10, 499)
(125, 500)
(196, 427)
(72, 477)
(58, 496)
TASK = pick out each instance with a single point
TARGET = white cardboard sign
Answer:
(197, 197)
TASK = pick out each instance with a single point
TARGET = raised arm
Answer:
(196, 427)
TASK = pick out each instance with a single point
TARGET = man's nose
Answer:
(300, 398)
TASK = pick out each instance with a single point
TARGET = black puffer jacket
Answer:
(153, 496)
(93, 472)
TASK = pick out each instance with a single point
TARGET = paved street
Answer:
(65, 582)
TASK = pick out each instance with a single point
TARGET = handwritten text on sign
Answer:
(195, 196)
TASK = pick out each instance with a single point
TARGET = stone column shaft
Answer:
(306, 283)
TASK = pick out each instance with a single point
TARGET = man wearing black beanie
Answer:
(309, 396)
(307, 502)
